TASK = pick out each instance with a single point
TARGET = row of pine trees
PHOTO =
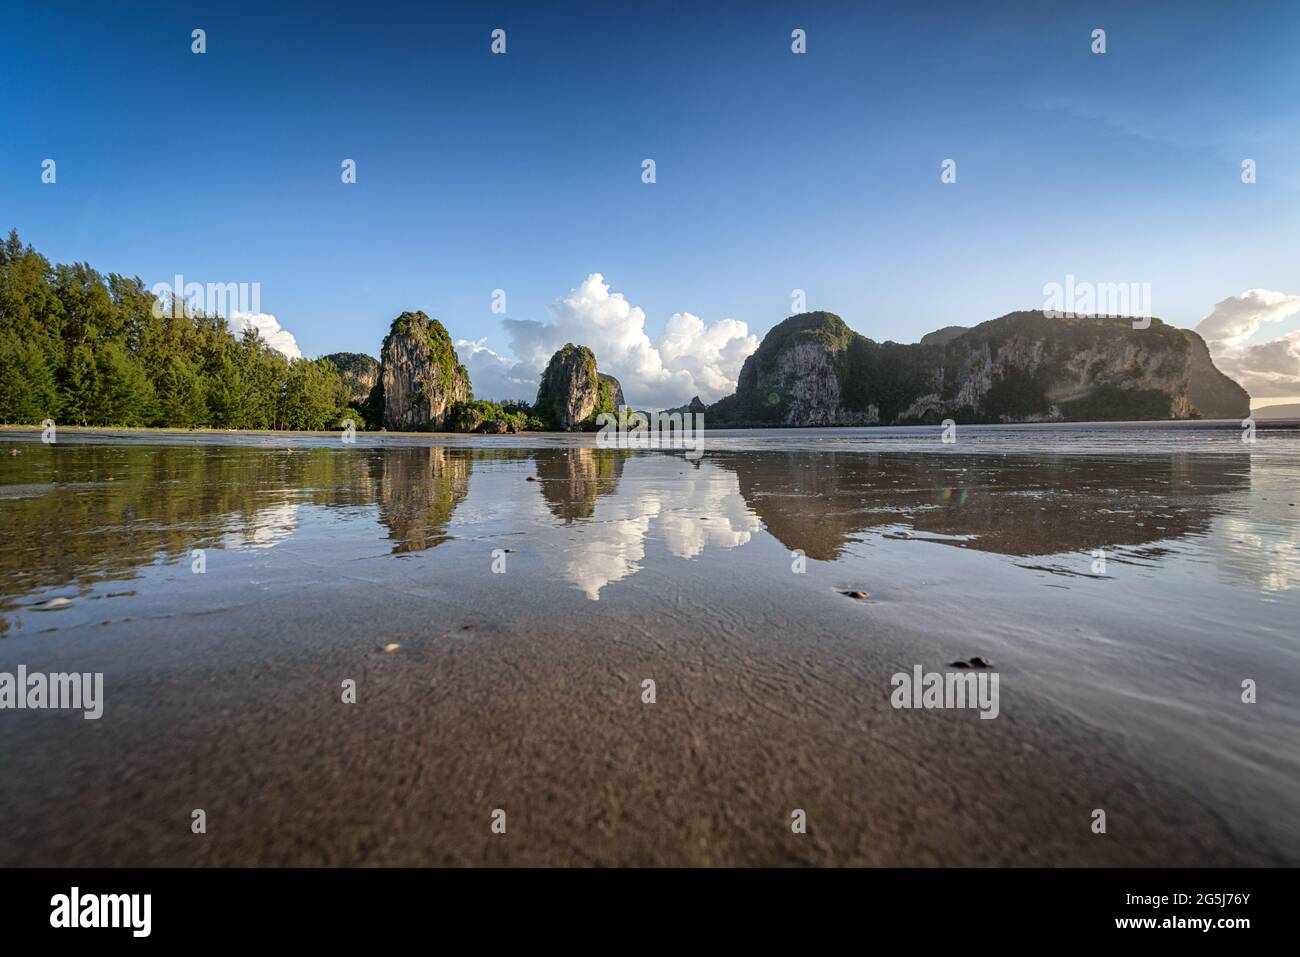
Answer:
(84, 349)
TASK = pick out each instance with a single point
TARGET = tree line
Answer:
(84, 349)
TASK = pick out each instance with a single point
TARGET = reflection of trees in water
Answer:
(572, 479)
(817, 501)
(419, 488)
(78, 514)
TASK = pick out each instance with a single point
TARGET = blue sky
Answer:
(775, 171)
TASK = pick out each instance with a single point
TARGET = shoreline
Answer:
(1190, 424)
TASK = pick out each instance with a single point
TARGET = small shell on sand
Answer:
(391, 646)
(859, 595)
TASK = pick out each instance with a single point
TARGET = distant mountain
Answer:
(942, 336)
(1291, 411)
(696, 405)
(359, 372)
(812, 369)
(615, 390)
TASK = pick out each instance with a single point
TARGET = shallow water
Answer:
(992, 545)
(105, 507)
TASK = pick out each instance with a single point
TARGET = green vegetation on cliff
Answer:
(442, 353)
(552, 391)
(480, 415)
(812, 369)
(604, 397)
(359, 372)
(572, 392)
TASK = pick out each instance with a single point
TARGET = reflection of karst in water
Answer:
(572, 479)
(78, 514)
(419, 488)
(818, 501)
(698, 508)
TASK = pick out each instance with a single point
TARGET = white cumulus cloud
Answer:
(691, 358)
(494, 376)
(268, 327)
(1263, 369)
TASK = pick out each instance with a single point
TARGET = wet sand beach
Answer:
(722, 580)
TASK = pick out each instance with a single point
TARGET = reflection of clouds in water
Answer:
(266, 529)
(1264, 555)
(611, 549)
(711, 493)
(612, 544)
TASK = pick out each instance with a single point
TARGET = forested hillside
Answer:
(86, 349)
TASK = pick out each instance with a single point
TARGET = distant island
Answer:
(813, 370)
(84, 349)
(423, 387)
(1290, 410)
